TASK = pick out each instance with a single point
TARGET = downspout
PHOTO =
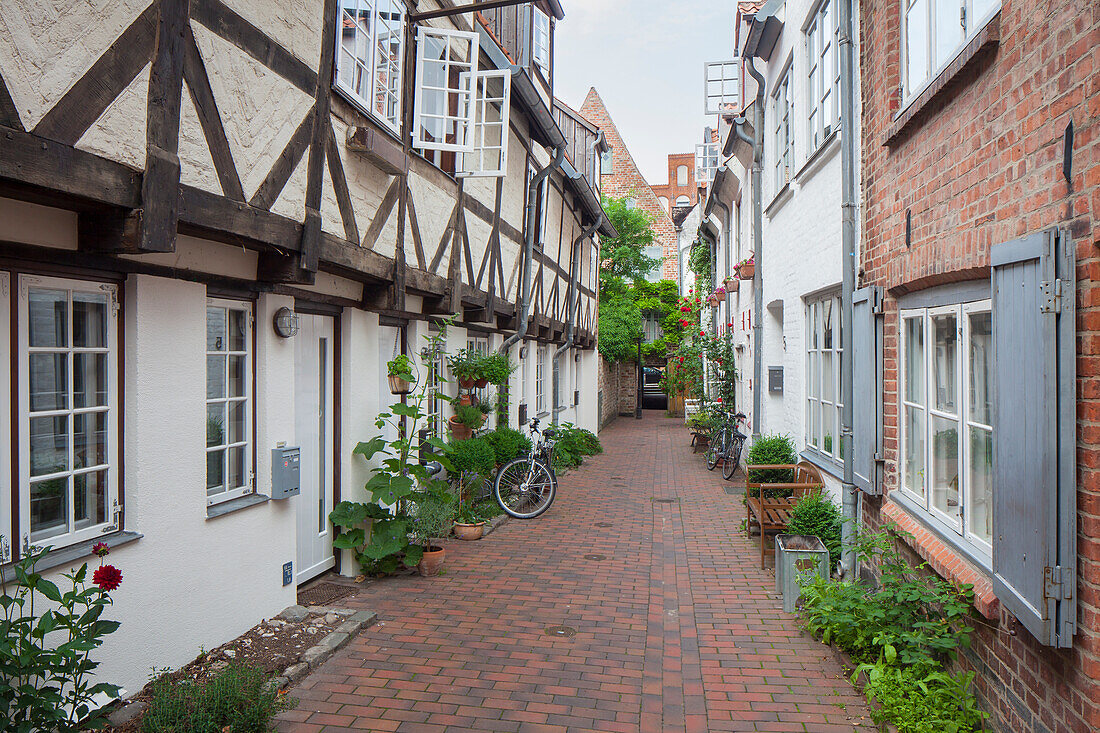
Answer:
(757, 248)
(574, 303)
(529, 247)
(848, 131)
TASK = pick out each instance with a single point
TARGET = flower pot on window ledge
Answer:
(746, 271)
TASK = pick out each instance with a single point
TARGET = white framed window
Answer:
(654, 253)
(540, 39)
(935, 31)
(706, 161)
(228, 400)
(823, 110)
(443, 110)
(68, 419)
(536, 216)
(607, 163)
(781, 131)
(823, 359)
(683, 201)
(479, 345)
(723, 87)
(370, 49)
(489, 141)
(946, 397)
(540, 382)
(681, 175)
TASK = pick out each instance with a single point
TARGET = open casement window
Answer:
(228, 400)
(723, 87)
(706, 161)
(781, 132)
(488, 150)
(935, 31)
(369, 53)
(540, 40)
(443, 112)
(823, 367)
(1034, 433)
(536, 217)
(68, 417)
(867, 402)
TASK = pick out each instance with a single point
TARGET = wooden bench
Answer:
(772, 514)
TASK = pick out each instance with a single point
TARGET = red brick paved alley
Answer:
(677, 629)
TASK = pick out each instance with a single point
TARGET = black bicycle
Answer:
(525, 486)
(726, 444)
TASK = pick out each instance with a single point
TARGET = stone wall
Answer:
(618, 389)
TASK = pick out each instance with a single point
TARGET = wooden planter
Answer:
(732, 285)
(746, 271)
(399, 385)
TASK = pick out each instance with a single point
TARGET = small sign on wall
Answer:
(775, 379)
(288, 573)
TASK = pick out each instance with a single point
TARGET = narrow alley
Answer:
(673, 626)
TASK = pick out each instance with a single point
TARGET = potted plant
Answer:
(465, 421)
(481, 364)
(496, 368)
(712, 300)
(473, 462)
(464, 367)
(400, 374)
(747, 268)
(434, 516)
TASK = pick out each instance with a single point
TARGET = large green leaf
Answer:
(368, 448)
(349, 514)
(413, 555)
(350, 539)
(387, 538)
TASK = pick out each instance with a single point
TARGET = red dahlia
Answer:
(107, 577)
(100, 549)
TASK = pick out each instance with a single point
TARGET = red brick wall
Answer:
(671, 190)
(981, 164)
(627, 180)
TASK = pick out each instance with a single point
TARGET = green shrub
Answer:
(922, 703)
(507, 443)
(816, 514)
(475, 454)
(573, 444)
(237, 699)
(772, 450)
(496, 367)
(469, 415)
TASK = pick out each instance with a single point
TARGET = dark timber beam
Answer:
(315, 166)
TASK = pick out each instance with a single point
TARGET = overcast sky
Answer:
(645, 57)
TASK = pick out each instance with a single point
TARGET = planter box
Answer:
(746, 272)
(796, 554)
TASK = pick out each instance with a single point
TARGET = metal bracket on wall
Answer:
(1052, 296)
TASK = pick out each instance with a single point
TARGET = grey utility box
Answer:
(286, 475)
(796, 554)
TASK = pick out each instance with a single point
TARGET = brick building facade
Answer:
(956, 163)
(624, 179)
(681, 189)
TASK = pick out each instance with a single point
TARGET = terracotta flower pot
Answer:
(458, 430)
(469, 531)
(746, 271)
(712, 300)
(466, 399)
(466, 383)
(399, 385)
(432, 562)
(732, 285)
(481, 382)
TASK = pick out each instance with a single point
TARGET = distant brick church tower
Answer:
(620, 177)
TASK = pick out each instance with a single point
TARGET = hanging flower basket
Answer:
(712, 300)
(720, 291)
(399, 385)
(746, 270)
(732, 285)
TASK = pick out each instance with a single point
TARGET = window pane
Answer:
(90, 320)
(49, 382)
(815, 423)
(215, 377)
(981, 368)
(237, 421)
(89, 439)
(90, 497)
(944, 361)
(914, 360)
(89, 380)
(49, 439)
(236, 330)
(827, 378)
(49, 508)
(215, 472)
(916, 44)
(813, 384)
(215, 424)
(945, 466)
(949, 29)
(237, 376)
(980, 507)
(982, 10)
(215, 329)
(48, 318)
(236, 468)
(913, 457)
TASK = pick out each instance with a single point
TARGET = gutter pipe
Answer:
(757, 247)
(574, 303)
(529, 248)
(848, 131)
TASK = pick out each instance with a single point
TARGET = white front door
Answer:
(313, 410)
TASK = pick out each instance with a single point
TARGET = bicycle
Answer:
(525, 487)
(726, 444)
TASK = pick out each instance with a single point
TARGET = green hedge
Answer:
(475, 454)
(507, 443)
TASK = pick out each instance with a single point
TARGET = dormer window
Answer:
(540, 23)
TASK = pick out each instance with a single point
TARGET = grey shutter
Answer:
(867, 400)
(1034, 434)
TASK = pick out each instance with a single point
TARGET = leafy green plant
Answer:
(401, 366)
(469, 415)
(772, 450)
(433, 517)
(573, 444)
(45, 685)
(475, 455)
(916, 702)
(507, 443)
(815, 514)
(238, 699)
(496, 367)
(465, 364)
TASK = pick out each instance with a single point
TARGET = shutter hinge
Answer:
(1052, 296)
(1058, 583)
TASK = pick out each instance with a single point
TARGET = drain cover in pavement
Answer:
(559, 631)
(595, 557)
(604, 524)
(659, 500)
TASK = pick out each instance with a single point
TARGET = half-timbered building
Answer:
(183, 183)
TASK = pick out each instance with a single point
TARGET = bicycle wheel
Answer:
(733, 456)
(524, 489)
(717, 446)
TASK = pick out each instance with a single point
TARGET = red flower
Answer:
(718, 399)
(101, 549)
(681, 360)
(107, 577)
(702, 333)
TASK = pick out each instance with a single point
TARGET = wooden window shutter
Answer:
(867, 400)
(1034, 433)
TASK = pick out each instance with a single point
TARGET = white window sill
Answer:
(824, 153)
(235, 505)
(78, 551)
(783, 196)
(833, 466)
(943, 531)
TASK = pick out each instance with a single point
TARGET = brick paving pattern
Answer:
(677, 628)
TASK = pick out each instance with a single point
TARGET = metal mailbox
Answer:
(285, 472)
